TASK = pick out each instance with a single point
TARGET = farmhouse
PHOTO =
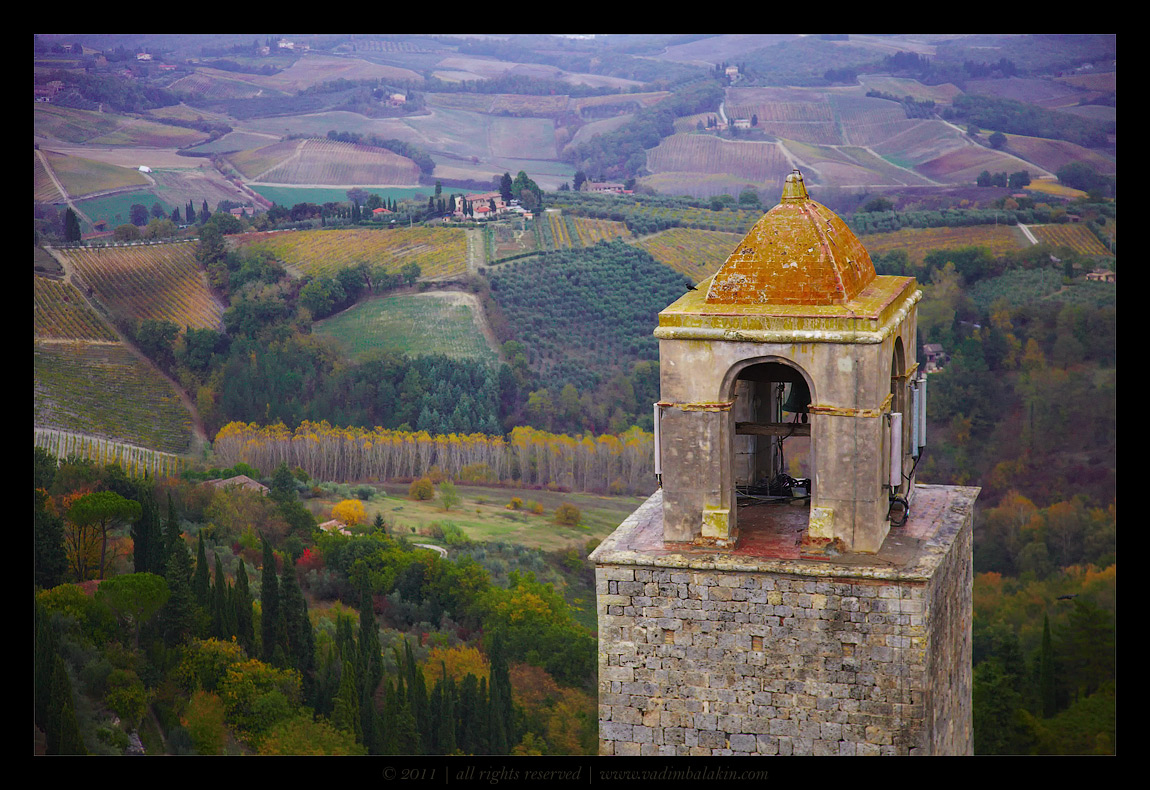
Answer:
(603, 186)
(935, 357)
(239, 481)
(48, 91)
(1102, 276)
(481, 204)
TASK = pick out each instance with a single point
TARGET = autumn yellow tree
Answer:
(350, 511)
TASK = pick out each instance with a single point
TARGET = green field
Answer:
(105, 390)
(117, 209)
(289, 196)
(414, 324)
(483, 514)
(84, 176)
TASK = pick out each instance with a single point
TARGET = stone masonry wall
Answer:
(949, 663)
(701, 663)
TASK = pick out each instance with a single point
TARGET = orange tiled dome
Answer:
(800, 252)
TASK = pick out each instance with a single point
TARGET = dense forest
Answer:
(1025, 408)
(206, 645)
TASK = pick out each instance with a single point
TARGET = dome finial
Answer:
(794, 189)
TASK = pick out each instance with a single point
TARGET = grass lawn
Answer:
(483, 515)
(415, 324)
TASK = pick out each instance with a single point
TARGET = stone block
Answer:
(616, 731)
(743, 743)
(712, 739)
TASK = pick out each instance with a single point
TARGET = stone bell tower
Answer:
(746, 611)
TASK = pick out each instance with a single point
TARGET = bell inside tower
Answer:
(772, 444)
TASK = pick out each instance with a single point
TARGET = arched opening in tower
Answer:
(773, 459)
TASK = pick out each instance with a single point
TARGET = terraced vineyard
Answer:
(917, 242)
(1076, 237)
(105, 390)
(162, 282)
(330, 162)
(253, 162)
(558, 231)
(215, 84)
(73, 126)
(754, 162)
(439, 252)
(441, 322)
(696, 253)
(134, 459)
(61, 313)
(865, 120)
(591, 231)
(807, 122)
(43, 187)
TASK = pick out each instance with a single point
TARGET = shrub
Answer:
(310, 560)
(535, 507)
(350, 512)
(126, 696)
(204, 721)
(422, 489)
(477, 473)
(454, 536)
(568, 515)
(515, 504)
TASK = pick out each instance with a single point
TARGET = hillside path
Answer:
(476, 252)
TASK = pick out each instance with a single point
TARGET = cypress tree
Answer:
(220, 603)
(171, 531)
(347, 714)
(205, 213)
(345, 639)
(299, 640)
(417, 699)
(403, 737)
(201, 584)
(50, 558)
(63, 731)
(71, 226)
(1046, 685)
(500, 710)
(369, 669)
(178, 617)
(44, 666)
(242, 602)
(471, 726)
(446, 721)
(148, 552)
(270, 605)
